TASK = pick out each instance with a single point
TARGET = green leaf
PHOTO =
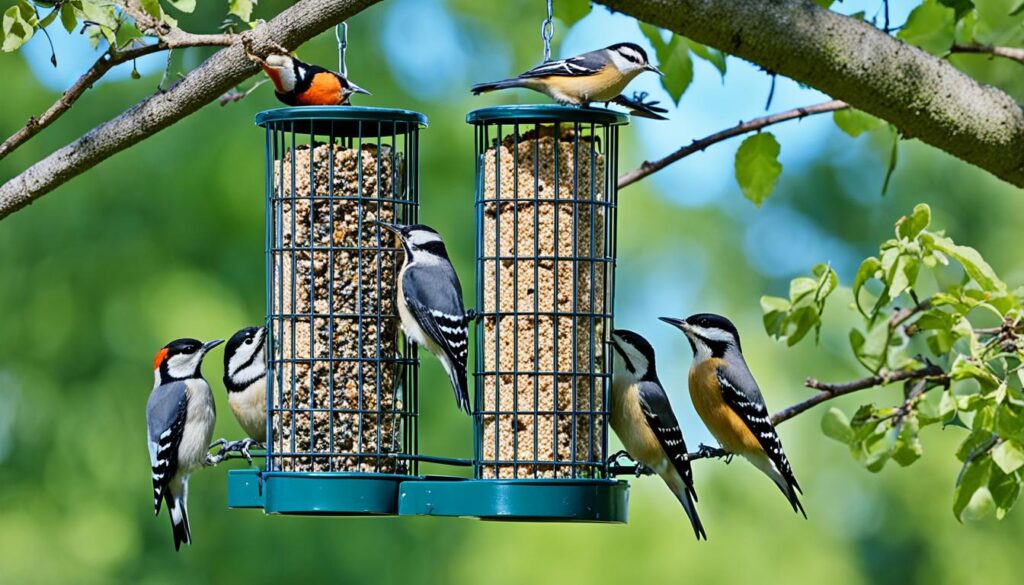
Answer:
(1008, 456)
(973, 479)
(824, 3)
(835, 425)
(892, 160)
(567, 11)
(152, 7)
(49, 18)
(758, 167)
(910, 226)
(1018, 10)
(713, 56)
(243, 9)
(974, 443)
(930, 26)
(17, 31)
(960, 7)
(908, 447)
(674, 60)
(868, 268)
(974, 265)
(774, 311)
(855, 122)
(187, 6)
(68, 18)
(1005, 490)
(126, 33)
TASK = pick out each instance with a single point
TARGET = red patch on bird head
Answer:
(159, 359)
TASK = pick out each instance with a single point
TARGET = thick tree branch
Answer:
(1006, 52)
(649, 168)
(925, 97)
(222, 71)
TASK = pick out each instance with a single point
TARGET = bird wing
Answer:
(166, 413)
(579, 66)
(658, 410)
(741, 393)
(638, 107)
(439, 310)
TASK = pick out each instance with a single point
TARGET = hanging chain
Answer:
(547, 30)
(342, 39)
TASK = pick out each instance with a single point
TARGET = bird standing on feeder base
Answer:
(597, 76)
(642, 418)
(245, 378)
(301, 84)
(430, 303)
(729, 401)
(180, 416)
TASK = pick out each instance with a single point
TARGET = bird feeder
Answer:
(545, 229)
(342, 388)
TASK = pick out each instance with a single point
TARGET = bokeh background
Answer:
(166, 240)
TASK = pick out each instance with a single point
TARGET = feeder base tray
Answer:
(323, 494)
(525, 500)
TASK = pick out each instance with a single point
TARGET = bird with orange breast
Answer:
(301, 84)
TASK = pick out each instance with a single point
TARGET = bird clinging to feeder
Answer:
(430, 303)
(300, 84)
(596, 76)
(729, 401)
(245, 378)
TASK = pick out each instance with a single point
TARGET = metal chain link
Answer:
(342, 45)
(547, 30)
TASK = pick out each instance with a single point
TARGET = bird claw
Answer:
(213, 460)
(242, 446)
(642, 469)
(614, 459)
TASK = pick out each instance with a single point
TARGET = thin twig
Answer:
(1012, 53)
(651, 167)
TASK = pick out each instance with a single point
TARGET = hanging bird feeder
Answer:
(546, 210)
(341, 422)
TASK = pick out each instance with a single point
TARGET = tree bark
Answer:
(218, 74)
(923, 96)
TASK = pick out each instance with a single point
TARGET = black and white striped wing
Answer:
(740, 392)
(166, 414)
(658, 410)
(579, 66)
(434, 295)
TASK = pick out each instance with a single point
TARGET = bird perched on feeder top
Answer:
(301, 84)
(729, 401)
(430, 303)
(180, 415)
(597, 76)
(245, 378)
(642, 418)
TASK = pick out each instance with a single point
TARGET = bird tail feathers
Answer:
(178, 511)
(686, 496)
(495, 85)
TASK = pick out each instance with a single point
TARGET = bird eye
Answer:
(248, 340)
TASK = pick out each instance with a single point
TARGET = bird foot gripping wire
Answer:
(227, 447)
(709, 452)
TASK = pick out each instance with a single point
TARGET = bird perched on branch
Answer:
(180, 415)
(430, 303)
(301, 84)
(729, 401)
(245, 378)
(597, 76)
(642, 418)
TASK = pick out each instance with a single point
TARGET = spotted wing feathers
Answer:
(166, 414)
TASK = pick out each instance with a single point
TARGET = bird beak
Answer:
(356, 89)
(390, 227)
(650, 67)
(211, 344)
(681, 324)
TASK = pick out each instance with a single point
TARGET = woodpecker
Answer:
(597, 76)
(180, 415)
(642, 418)
(301, 84)
(430, 303)
(245, 378)
(729, 401)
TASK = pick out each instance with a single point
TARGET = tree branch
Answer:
(925, 97)
(1006, 52)
(222, 71)
(649, 168)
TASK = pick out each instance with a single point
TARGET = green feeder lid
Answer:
(534, 113)
(344, 121)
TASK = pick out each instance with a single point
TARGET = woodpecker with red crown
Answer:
(180, 416)
(301, 84)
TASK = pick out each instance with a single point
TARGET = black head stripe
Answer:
(632, 52)
(435, 247)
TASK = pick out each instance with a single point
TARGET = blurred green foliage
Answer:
(166, 240)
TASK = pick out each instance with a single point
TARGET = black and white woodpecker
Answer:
(597, 76)
(642, 418)
(430, 303)
(180, 416)
(245, 378)
(729, 401)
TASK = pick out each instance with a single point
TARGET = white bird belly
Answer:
(250, 409)
(630, 425)
(201, 416)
